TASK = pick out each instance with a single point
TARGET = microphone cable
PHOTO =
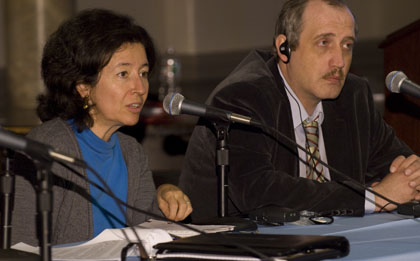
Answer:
(119, 202)
(404, 209)
(47, 154)
(293, 144)
(306, 140)
(173, 105)
(107, 190)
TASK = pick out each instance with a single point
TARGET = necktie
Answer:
(311, 132)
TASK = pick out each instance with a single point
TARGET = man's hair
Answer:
(76, 53)
(289, 21)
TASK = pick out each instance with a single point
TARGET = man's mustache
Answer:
(334, 73)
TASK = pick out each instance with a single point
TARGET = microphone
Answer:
(176, 104)
(34, 148)
(397, 81)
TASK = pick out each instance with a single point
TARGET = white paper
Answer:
(188, 256)
(107, 245)
(180, 231)
(26, 248)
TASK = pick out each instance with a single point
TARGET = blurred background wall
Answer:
(207, 37)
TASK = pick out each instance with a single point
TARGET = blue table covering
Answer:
(381, 236)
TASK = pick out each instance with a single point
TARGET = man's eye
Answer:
(323, 43)
(144, 74)
(349, 46)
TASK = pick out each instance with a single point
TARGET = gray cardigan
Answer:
(72, 213)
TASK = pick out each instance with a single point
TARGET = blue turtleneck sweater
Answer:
(106, 158)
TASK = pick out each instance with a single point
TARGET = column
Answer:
(27, 26)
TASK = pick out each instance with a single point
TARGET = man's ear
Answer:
(83, 90)
(282, 48)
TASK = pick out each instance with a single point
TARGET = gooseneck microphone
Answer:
(398, 82)
(176, 104)
(35, 149)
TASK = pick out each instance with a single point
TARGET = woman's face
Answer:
(121, 91)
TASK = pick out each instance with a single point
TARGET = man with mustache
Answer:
(304, 80)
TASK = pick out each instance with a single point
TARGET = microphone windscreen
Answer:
(172, 103)
(393, 80)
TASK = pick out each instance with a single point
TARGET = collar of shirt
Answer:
(299, 114)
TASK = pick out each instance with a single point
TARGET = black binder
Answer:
(290, 247)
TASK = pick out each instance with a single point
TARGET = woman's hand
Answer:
(173, 203)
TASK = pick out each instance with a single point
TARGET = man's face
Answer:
(319, 65)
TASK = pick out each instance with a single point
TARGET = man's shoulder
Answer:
(356, 85)
(353, 78)
(254, 73)
(254, 66)
(356, 91)
(357, 81)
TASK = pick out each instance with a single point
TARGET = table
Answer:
(379, 236)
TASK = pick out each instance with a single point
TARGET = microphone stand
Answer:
(7, 181)
(44, 207)
(7, 186)
(222, 170)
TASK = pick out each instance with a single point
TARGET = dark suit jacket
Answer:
(263, 170)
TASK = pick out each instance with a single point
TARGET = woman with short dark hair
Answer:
(95, 68)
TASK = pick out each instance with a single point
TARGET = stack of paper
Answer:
(180, 231)
(108, 244)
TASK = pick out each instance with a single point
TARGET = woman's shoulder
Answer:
(130, 144)
(126, 138)
(55, 129)
(128, 141)
(132, 150)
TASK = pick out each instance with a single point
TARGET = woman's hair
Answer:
(289, 21)
(76, 53)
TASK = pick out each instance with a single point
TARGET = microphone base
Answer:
(411, 208)
(13, 254)
(239, 223)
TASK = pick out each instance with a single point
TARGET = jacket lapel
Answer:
(290, 162)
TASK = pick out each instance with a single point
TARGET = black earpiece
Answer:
(285, 50)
